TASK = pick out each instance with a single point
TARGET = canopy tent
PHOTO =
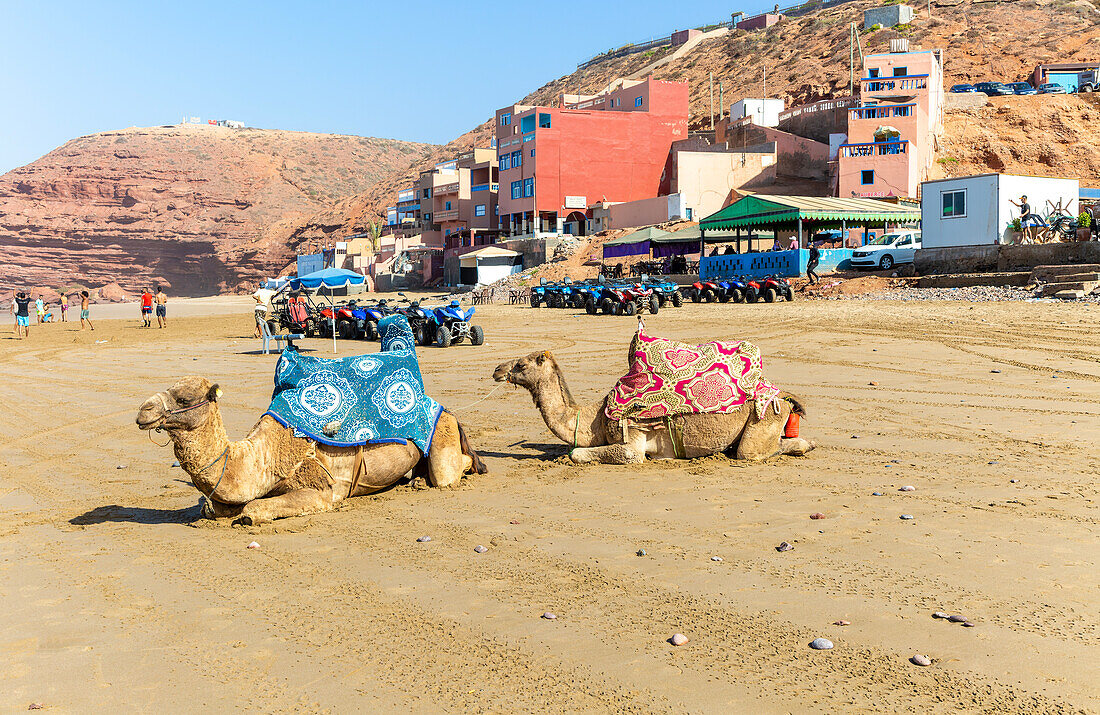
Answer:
(488, 265)
(330, 278)
(632, 244)
(806, 212)
(677, 243)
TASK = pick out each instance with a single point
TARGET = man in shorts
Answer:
(262, 296)
(162, 308)
(40, 309)
(146, 308)
(85, 301)
(22, 314)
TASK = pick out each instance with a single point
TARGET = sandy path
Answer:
(116, 596)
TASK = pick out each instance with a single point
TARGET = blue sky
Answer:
(421, 70)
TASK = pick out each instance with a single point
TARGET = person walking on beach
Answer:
(84, 314)
(40, 309)
(262, 296)
(63, 303)
(811, 264)
(146, 308)
(22, 314)
(162, 308)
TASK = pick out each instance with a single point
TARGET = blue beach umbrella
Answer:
(328, 278)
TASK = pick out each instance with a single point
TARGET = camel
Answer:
(596, 439)
(272, 473)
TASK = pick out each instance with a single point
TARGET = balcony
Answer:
(441, 216)
(890, 148)
(907, 86)
(443, 189)
(884, 112)
(485, 187)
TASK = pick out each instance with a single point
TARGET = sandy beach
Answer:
(119, 596)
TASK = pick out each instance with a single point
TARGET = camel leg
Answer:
(446, 461)
(631, 452)
(217, 510)
(764, 438)
(296, 503)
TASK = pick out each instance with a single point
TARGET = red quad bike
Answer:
(636, 299)
(772, 287)
(706, 291)
(752, 291)
(346, 325)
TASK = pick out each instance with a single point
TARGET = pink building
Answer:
(555, 162)
(891, 133)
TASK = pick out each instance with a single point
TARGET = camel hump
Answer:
(796, 404)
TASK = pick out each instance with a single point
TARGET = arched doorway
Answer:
(580, 220)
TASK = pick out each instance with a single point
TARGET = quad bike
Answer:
(735, 290)
(706, 291)
(773, 287)
(295, 314)
(449, 325)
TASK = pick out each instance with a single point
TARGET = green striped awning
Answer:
(785, 212)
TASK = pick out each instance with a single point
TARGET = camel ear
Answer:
(543, 357)
(213, 393)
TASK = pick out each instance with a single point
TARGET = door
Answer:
(1069, 80)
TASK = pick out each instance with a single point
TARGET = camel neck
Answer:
(566, 419)
(197, 449)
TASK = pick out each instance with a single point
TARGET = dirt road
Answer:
(116, 595)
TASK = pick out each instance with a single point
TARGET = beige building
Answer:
(455, 198)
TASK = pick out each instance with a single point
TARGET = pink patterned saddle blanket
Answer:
(668, 377)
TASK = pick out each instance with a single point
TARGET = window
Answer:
(505, 119)
(544, 121)
(427, 218)
(447, 233)
(532, 153)
(867, 177)
(428, 193)
(901, 71)
(954, 203)
(873, 72)
(688, 217)
(517, 159)
(447, 206)
(637, 101)
(505, 162)
(528, 187)
(517, 189)
(527, 124)
(479, 210)
(496, 210)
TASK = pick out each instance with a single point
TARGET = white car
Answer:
(888, 250)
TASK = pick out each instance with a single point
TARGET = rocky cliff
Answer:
(205, 209)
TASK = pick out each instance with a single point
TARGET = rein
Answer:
(225, 452)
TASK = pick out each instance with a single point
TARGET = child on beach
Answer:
(64, 305)
(40, 309)
(84, 302)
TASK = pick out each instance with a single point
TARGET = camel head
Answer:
(187, 405)
(527, 371)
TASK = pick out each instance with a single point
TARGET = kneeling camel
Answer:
(272, 473)
(596, 439)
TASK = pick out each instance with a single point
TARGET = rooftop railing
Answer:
(889, 148)
(908, 83)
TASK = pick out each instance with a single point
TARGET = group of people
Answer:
(21, 309)
(148, 299)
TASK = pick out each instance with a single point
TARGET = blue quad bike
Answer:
(449, 325)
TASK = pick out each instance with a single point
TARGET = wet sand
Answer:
(117, 595)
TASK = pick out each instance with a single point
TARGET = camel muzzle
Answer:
(504, 371)
(151, 413)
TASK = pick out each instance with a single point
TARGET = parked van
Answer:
(888, 250)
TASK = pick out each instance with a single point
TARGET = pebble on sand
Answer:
(514, 521)
(424, 539)
(907, 488)
(1013, 481)
(876, 494)
(641, 552)
(906, 517)
(175, 464)
(939, 614)
(480, 549)
(842, 623)
(821, 644)
(253, 545)
(121, 466)
(817, 515)
(995, 371)
(784, 547)
(549, 616)
(872, 383)
(678, 639)
(920, 660)
(957, 619)
(715, 558)
(36, 706)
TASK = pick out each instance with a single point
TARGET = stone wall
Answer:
(980, 259)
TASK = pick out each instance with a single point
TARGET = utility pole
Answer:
(721, 101)
(764, 89)
(851, 60)
(712, 101)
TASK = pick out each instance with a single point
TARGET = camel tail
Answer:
(479, 466)
(796, 405)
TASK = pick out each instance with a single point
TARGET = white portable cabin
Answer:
(978, 210)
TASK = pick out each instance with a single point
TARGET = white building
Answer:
(764, 112)
(978, 210)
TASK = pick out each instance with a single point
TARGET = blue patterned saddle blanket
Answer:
(364, 399)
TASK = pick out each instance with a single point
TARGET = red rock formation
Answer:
(200, 208)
